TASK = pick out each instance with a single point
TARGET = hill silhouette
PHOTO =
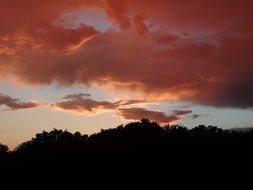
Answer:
(143, 139)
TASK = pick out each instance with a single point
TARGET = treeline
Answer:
(136, 138)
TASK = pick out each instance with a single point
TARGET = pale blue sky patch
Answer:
(96, 18)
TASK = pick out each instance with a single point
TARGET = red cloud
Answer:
(140, 25)
(211, 66)
(167, 39)
(57, 38)
(117, 11)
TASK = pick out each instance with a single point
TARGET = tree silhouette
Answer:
(142, 137)
(3, 151)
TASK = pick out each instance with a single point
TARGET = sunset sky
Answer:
(84, 65)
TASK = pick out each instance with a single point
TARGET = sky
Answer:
(87, 65)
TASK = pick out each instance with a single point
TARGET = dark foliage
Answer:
(132, 140)
(3, 150)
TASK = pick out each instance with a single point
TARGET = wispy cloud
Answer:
(83, 103)
(14, 104)
(158, 116)
(196, 116)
